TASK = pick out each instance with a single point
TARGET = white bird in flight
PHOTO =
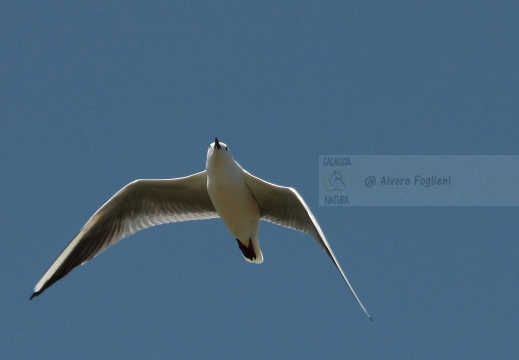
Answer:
(223, 190)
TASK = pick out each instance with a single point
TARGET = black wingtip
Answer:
(371, 319)
(36, 293)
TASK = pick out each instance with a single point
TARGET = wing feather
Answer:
(137, 206)
(284, 206)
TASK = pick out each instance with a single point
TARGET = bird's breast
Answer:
(235, 205)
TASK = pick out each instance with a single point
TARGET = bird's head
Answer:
(218, 153)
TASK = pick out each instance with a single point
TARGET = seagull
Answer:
(223, 190)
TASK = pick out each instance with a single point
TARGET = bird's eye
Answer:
(226, 148)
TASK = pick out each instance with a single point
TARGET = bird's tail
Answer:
(251, 251)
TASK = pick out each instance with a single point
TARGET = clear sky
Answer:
(96, 94)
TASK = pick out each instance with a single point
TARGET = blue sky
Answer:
(97, 94)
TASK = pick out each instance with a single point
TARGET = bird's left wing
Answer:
(138, 205)
(284, 206)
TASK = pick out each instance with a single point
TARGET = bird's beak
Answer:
(217, 144)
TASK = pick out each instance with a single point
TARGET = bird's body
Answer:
(223, 190)
(234, 203)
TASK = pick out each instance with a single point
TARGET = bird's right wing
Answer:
(138, 205)
(284, 206)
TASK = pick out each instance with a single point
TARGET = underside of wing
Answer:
(284, 206)
(138, 205)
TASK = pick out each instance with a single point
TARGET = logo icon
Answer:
(336, 181)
